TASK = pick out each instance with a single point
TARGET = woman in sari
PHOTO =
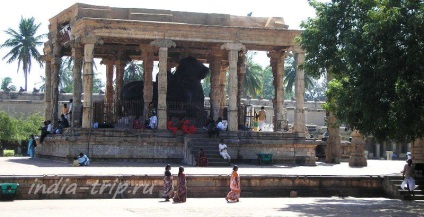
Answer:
(168, 185)
(234, 194)
(181, 193)
(202, 160)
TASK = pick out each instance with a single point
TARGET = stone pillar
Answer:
(233, 49)
(109, 88)
(417, 151)
(222, 89)
(88, 85)
(215, 68)
(148, 59)
(241, 72)
(48, 91)
(357, 158)
(163, 45)
(77, 55)
(277, 64)
(120, 69)
(377, 150)
(299, 113)
(56, 62)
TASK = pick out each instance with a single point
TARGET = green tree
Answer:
(290, 77)
(9, 127)
(6, 84)
(252, 80)
(206, 85)
(375, 51)
(28, 125)
(133, 72)
(268, 83)
(23, 44)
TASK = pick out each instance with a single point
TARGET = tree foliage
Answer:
(252, 80)
(375, 50)
(6, 84)
(17, 129)
(23, 44)
(133, 72)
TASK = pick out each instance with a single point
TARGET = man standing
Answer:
(262, 118)
(223, 151)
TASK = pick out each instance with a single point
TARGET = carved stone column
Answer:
(233, 49)
(215, 68)
(88, 85)
(357, 158)
(48, 88)
(299, 113)
(77, 55)
(241, 72)
(148, 58)
(120, 69)
(222, 89)
(55, 64)
(163, 45)
(277, 64)
(109, 88)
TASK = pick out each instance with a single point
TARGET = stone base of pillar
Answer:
(417, 151)
(357, 160)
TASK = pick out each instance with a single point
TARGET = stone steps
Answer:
(210, 147)
(404, 194)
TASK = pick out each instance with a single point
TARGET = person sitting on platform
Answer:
(153, 121)
(219, 126)
(223, 151)
(187, 128)
(211, 127)
(170, 126)
(202, 160)
(137, 124)
(44, 132)
(64, 123)
(75, 162)
(83, 160)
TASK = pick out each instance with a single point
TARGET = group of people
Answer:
(81, 160)
(184, 125)
(151, 123)
(180, 194)
(214, 127)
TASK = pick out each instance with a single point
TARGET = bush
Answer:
(8, 153)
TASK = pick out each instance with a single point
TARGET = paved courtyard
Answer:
(26, 166)
(214, 207)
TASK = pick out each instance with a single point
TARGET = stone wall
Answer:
(114, 144)
(199, 186)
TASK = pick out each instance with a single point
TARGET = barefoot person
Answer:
(234, 194)
(181, 193)
(168, 184)
(408, 173)
(223, 151)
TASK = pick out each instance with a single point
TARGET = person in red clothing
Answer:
(137, 124)
(170, 126)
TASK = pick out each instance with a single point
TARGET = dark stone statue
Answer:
(184, 90)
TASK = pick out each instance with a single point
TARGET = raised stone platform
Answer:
(163, 146)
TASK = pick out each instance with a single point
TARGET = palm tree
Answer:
(290, 76)
(252, 80)
(133, 72)
(23, 44)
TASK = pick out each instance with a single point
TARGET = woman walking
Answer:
(168, 184)
(234, 194)
(181, 193)
(31, 146)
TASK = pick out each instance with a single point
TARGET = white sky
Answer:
(293, 12)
